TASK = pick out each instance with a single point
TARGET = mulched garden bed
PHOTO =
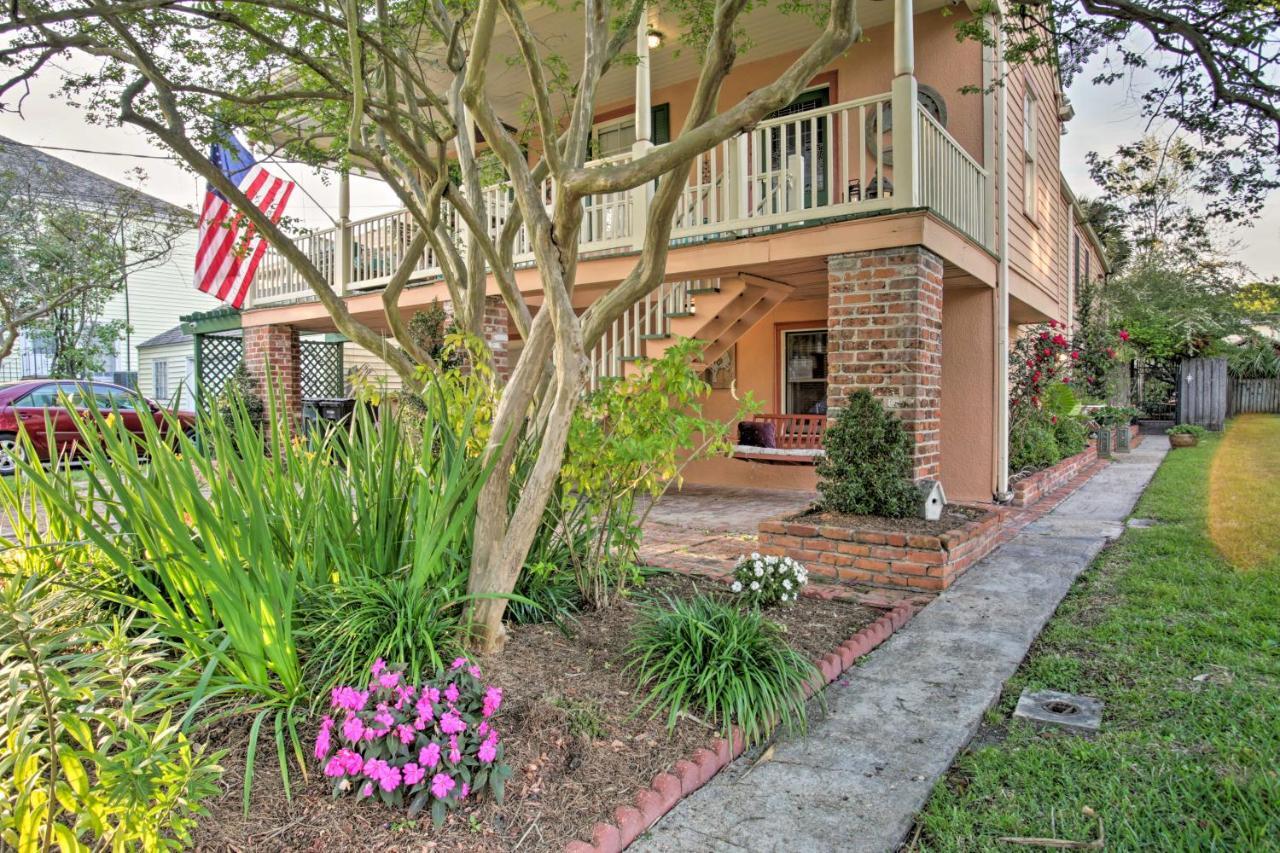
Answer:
(576, 749)
(953, 516)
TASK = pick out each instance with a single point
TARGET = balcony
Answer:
(824, 164)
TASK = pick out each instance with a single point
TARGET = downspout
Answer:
(1002, 494)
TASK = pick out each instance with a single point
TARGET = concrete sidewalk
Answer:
(896, 723)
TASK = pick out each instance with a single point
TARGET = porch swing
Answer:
(781, 439)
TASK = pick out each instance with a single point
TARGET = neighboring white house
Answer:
(152, 300)
(166, 368)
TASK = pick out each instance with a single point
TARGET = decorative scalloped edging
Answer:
(695, 770)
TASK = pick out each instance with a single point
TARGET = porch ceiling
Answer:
(769, 31)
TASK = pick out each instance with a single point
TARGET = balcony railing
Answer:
(823, 163)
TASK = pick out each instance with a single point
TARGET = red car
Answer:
(30, 404)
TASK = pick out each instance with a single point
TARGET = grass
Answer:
(1184, 648)
(1244, 492)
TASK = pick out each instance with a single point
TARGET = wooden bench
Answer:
(798, 440)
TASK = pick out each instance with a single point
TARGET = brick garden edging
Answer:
(697, 769)
(1032, 487)
(926, 562)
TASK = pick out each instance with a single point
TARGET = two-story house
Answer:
(891, 228)
(152, 297)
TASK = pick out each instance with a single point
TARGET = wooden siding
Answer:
(177, 359)
(1039, 241)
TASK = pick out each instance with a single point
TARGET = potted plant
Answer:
(1112, 428)
(1185, 435)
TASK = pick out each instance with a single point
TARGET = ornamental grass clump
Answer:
(707, 657)
(431, 745)
(766, 581)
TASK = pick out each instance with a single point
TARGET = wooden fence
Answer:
(1253, 395)
(1202, 392)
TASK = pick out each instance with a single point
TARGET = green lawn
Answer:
(1184, 648)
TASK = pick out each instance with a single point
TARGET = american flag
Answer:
(230, 247)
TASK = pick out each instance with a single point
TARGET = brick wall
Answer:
(885, 334)
(276, 349)
(879, 557)
(497, 334)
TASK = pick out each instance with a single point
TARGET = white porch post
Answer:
(644, 129)
(342, 275)
(906, 117)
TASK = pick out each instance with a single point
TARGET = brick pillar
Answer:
(277, 349)
(496, 331)
(885, 334)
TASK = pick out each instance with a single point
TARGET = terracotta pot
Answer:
(1183, 439)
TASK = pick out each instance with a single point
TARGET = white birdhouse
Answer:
(932, 499)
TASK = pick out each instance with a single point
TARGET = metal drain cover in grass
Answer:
(1078, 714)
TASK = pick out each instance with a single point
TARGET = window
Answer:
(804, 372)
(1030, 154)
(160, 380)
(614, 137)
(108, 397)
(610, 138)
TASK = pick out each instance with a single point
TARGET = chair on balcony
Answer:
(778, 439)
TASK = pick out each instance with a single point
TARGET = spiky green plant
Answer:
(704, 656)
(211, 542)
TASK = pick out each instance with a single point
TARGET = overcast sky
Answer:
(1105, 118)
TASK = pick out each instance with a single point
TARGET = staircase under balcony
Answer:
(716, 311)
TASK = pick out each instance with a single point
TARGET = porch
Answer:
(873, 134)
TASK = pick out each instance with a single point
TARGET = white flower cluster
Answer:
(769, 580)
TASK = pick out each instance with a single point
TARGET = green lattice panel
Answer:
(322, 369)
(220, 355)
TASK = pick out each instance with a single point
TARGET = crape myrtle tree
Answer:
(394, 87)
(1206, 70)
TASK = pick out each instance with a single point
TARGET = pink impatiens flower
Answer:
(352, 763)
(458, 663)
(451, 693)
(353, 729)
(492, 701)
(390, 779)
(441, 785)
(430, 755)
(474, 670)
(413, 774)
(374, 768)
(349, 698)
(335, 767)
(323, 744)
(452, 724)
(488, 751)
(406, 733)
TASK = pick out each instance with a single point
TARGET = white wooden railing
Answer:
(649, 319)
(952, 183)
(822, 163)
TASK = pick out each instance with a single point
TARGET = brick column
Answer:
(278, 350)
(496, 332)
(885, 334)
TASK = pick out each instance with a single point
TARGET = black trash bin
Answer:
(323, 413)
